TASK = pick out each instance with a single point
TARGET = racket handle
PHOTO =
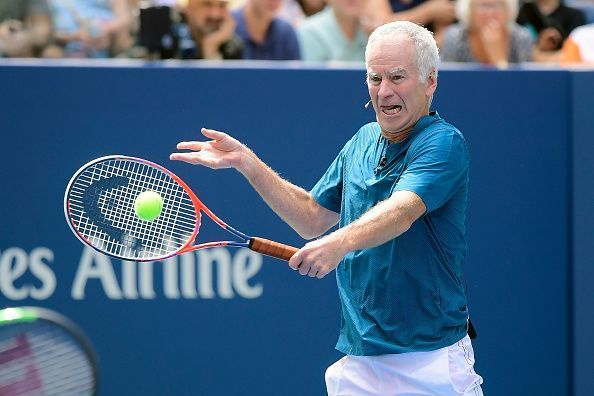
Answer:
(271, 248)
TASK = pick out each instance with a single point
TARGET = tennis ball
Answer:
(148, 205)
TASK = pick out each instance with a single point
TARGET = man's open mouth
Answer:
(391, 110)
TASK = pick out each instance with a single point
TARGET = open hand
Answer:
(222, 151)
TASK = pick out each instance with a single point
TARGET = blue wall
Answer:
(582, 85)
(242, 328)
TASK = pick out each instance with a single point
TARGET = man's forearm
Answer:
(382, 223)
(385, 221)
(292, 203)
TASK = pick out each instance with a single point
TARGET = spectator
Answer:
(88, 28)
(553, 13)
(550, 22)
(25, 27)
(311, 7)
(487, 34)
(335, 34)
(295, 11)
(210, 31)
(264, 35)
(291, 11)
(435, 14)
(579, 47)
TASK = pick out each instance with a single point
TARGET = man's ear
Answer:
(431, 83)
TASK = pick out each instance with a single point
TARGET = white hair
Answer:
(425, 46)
(463, 10)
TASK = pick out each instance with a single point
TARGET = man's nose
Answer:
(385, 90)
(219, 12)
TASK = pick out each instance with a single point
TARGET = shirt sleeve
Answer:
(328, 190)
(438, 167)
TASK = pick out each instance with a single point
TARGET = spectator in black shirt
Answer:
(550, 21)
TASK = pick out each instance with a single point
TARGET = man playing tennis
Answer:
(398, 189)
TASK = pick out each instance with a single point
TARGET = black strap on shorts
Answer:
(471, 330)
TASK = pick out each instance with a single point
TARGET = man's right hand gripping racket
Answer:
(101, 207)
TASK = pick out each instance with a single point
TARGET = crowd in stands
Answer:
(490, 32)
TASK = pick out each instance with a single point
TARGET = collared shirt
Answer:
(322, 39)
(280, 42)
(408, 293)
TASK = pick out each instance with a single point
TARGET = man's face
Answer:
(398, 97)
(267, 8)
(206, 15)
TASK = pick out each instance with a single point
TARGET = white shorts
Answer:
(444, 372)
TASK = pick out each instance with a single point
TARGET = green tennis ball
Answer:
(148, 205)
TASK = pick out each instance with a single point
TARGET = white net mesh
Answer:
(100, 205)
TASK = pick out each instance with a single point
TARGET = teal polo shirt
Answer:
(407, 294)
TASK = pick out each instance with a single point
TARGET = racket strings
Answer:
(122, 214)
(43, 359)
(114, 227)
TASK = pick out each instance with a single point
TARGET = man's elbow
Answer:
(406, 224)
(309, 232)
(318, 224)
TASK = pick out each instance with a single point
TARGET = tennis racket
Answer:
(99, 205)
(44, 353)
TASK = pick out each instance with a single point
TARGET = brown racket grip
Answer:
(271, 248)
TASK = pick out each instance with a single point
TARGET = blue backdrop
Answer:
(228, 322)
